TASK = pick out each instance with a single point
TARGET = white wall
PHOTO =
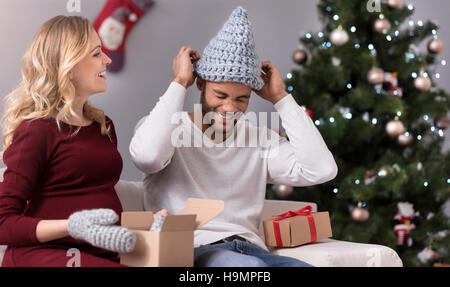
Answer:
(156, 39)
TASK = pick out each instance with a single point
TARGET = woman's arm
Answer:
(25, 159)
(48, 230)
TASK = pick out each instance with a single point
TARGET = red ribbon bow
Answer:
(305, 211)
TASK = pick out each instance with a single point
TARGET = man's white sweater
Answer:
(237, 175)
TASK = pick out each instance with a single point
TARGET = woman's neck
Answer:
(79, 119)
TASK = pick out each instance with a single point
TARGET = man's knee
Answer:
(226, 258)
(252, 261)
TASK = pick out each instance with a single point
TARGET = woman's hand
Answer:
(96, 226)
(182, 66)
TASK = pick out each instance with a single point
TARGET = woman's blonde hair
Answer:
(46, 90)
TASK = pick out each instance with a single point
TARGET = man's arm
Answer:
(304, 159)
(151, 148)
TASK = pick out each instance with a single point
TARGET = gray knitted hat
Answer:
(231, 56)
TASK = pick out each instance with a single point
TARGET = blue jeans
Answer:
(239, 253)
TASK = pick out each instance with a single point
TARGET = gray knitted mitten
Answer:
(96, 226)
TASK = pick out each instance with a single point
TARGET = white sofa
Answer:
(322, 253)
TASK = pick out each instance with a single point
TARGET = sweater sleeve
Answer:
(151, 148)
(25, 160)
(303, 160)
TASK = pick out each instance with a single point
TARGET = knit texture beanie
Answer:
(231, 56)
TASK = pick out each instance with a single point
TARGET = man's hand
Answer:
(182, 66)
(273, 89)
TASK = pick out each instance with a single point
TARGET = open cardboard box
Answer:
(174, 244)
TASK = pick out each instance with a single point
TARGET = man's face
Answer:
(224, 102)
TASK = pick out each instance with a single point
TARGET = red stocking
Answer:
(113, 24)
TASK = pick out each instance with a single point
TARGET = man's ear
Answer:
(200, 84)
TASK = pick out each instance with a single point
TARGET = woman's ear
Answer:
(200, 84)
(70, 74)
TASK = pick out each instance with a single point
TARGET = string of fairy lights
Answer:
(339, 37)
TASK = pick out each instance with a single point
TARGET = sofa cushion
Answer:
(335, 253)
(131, 195)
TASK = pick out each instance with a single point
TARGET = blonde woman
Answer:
(61, 156)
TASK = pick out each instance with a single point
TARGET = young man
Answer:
(200, 164)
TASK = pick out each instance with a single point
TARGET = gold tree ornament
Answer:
(422, 82)
(435, 46)
(395, 4)
(382, 25)
(359, 213)
(339, 36)
(395, 127)
(375, 76)
(405, 139)
(283, 191)
(299, 56)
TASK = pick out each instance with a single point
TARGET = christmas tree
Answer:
(370, 91)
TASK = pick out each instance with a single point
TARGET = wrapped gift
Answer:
(295, 228)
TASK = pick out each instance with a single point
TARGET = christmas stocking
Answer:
(113, 24)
